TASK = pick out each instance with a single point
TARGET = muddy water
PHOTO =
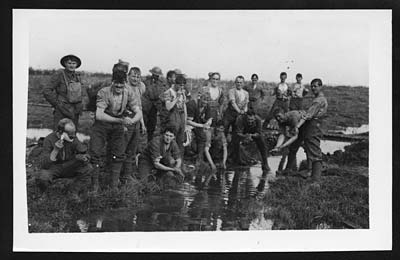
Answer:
(231, 202)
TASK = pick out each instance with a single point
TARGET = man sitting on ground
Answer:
(64, 156)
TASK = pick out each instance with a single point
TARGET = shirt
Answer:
(156, 150)
(57, 88)
(298, 90)
(239, 97)
(288, 128)
(154, 88)
(108, 101)
(318, 108)
(65, 154)
(255, 92)
(139, 91)
(282, 91)
(193, 112)
(243, 126)
(170, 94)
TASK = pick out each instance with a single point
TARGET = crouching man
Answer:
(248, 126)
(163, 155)
(64, 156)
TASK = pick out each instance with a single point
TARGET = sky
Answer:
(333, 46)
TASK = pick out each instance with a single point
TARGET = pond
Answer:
(231, 202)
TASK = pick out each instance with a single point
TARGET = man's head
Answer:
(279, 115)
(168, 135)
(171, 77)
(134, 76)
(254, 78)
(215, 77)
(299, 77)
(219, 126)
(70, 62)
(251, 117)
(156, 72)
(283, 76)
(316, 86)
(67, 126)
(118, 81)
(239, 81)
(180, 82)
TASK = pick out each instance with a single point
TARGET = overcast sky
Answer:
(318, 44)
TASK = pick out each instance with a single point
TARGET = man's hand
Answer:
(206, 126)
(179, 172)
(82, 157)
(144, 130)
(59, 144)
(276, 149)
(127, 121)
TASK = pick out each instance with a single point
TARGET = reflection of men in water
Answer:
(161, 154)
(64, 156)
(249, 127)
(310, 131)
(64, 91)
(288, 134)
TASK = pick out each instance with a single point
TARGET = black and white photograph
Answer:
(226, 130)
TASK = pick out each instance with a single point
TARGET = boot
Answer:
(95, 178)
(316, 171)
(115, 170)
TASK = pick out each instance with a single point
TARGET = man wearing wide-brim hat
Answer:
(64, 91)
(155, 86)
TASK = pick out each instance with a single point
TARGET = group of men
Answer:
(126, 109)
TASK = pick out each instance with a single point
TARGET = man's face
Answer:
(70, 130)
(70, 65)
(155, 76)
(214, 80)
(298, 79)
(168, 137)
(118, 88)
(315, 88)
(171, 79)
(180, 87)
(251, 119)
(283, 77)
(239, 83)
(134, 78)
(280, 117)
(254, 80)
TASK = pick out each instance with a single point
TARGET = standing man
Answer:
(310, 131)
(64, 92)
(132, 135)
(154, 87)
(298, 92)
(256, 93)
(109, 126)
(238, 101)
(163, 112)
(174, 100)
(64, 156)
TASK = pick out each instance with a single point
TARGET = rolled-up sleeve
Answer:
(49, 91)
(102, 100)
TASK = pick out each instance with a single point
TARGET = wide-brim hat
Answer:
(70, 57)
(156, 70)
